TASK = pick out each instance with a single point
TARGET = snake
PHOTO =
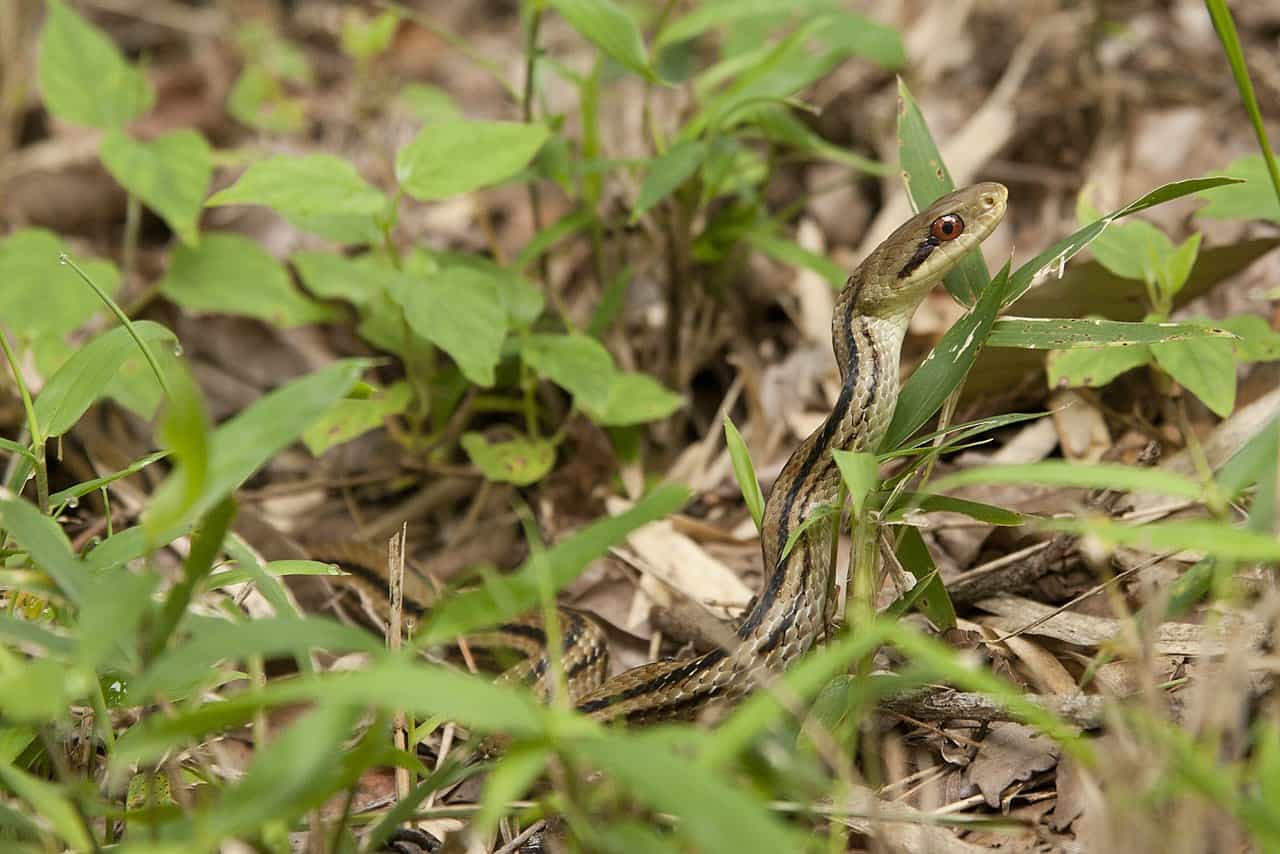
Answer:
(869, 323)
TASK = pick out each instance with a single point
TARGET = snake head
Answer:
(894, 278)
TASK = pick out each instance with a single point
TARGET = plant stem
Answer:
(132, 224)
(123, 318)
(33, 427)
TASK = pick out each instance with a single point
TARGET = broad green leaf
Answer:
(1176, 267)
(258, 100)
(170, 174)
(48, 801)
(743, 471)
(1057, 255)
(304, 185)
(1218, 539)
(32, 275)
(667, 172)
(1206, 367)
(16, 630)
(1086, 475)
(855, 35)
(506, 597)
(46, 545)
(521, 460)
(933, 600)
(277, 55)
(82, 381)
(927, 179)
(240, 446)
(460, 310)
(789, 252)
(353, 417)
(860, 472)
(634, 398)
(944, 369)
(40, 690)
(298, 766)
(1258, 342)
(1093, 368)
(364, 38)
(1065, 333)
(577, 363)
(357, 280)
(230, 274)
(1252, 197)
(1131, 250)
(429, 103)
(457, 156)
(608, 26)
(521, 298)
(83, 77)
(213, 641)
(110, 617)
(714, 815)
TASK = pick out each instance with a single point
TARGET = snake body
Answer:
(868, 327)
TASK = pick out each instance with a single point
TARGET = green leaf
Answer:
(501, 599)
(32, 275)
(48, 801)
(705, 16)
(206, 545)
(299, 765)
(1059, 253)
(714, 815)
(933, 601)
(779, 124)
(860, 472)
(577, 363)
(1176, 267)
(929, 503)
(258, 100)
(240, 446)
(39, 691)
(170, 174)
(306, 185)
(184, 428)
(1087, 475)
(212, 641)
(457, 156)
(927, 179)
(83, 77)
(46, 545)
(1251, 197)
(1095, 367)
(82, 381)
(944, 369)
(634, 398)
(855, 35)
(788, 252)
(352, 417)
(1065, 333)
(1258, 342)
(429, 103)
(363, 39)
(230, 274)
(1205, 367)
(521, 460)
(608, 26)
(744, 471)
(460, 310)
(359, 280)
(667, 172)
(110, 616)
(517, 770)
(1214, 538)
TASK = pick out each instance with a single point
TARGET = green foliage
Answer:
(96, 627)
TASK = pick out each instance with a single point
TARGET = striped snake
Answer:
(868, 326)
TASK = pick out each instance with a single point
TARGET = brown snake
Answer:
(868, 326)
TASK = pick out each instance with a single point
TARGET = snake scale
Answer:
(868, 326)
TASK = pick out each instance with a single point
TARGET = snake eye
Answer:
(947, 227)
